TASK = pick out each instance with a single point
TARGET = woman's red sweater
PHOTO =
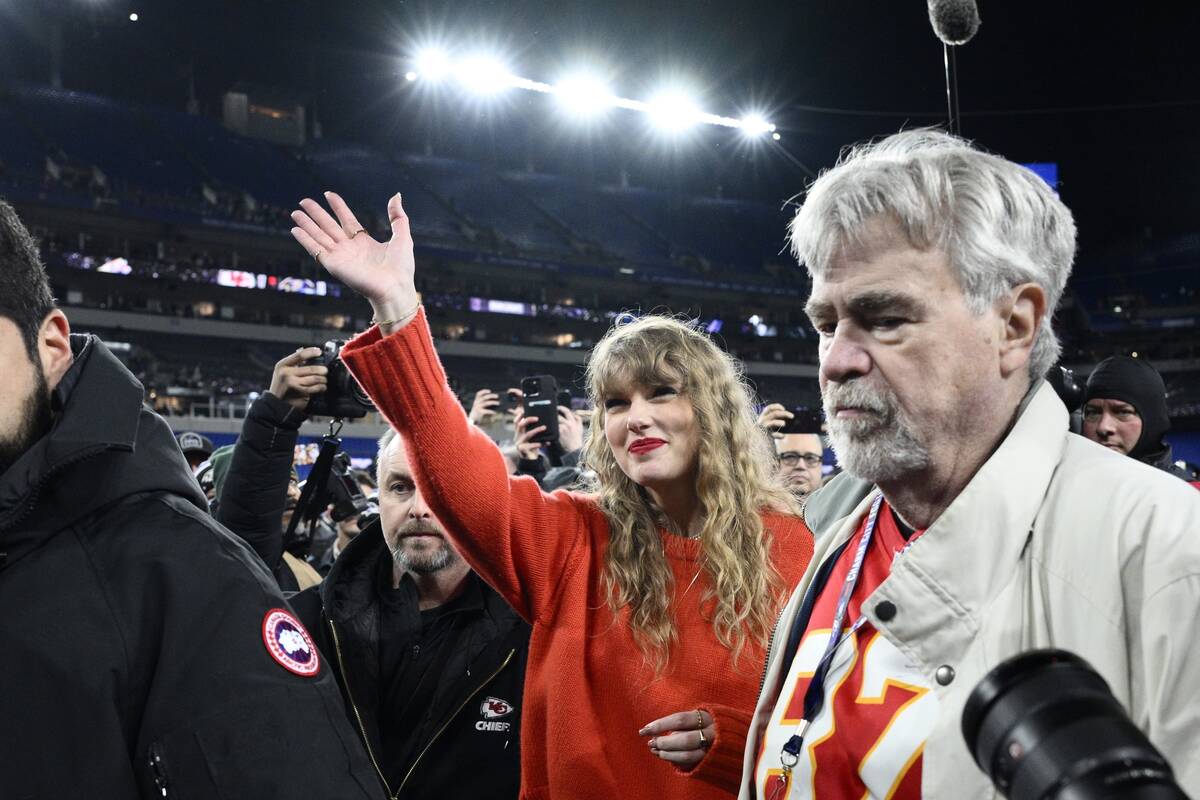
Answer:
(588, 688)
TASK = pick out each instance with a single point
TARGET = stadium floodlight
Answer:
(580, 95)
(483, 75)
(673, 112)
(755, 125)
(433, 64)
(583, 95)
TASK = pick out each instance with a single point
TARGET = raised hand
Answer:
(382, 272)
(570, 430)
(483, 410)
(518, 410)
(526, 429)
(295, 381)
(774, 417)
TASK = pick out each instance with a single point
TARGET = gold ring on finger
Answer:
(317, 255)
(703, 741)
(357, 232)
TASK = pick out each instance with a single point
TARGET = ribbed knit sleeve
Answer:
(722, 764)
(518, 538)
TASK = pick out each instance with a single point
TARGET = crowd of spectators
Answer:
(536, 598)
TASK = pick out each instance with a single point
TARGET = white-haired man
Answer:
(971, 526)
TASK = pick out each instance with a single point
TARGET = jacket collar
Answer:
(103, 447)
(96, 405)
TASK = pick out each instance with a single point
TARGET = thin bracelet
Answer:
(402, 318)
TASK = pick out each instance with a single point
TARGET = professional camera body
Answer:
(343, 398)
(339, 492)
(1044, 725)
(345, 495)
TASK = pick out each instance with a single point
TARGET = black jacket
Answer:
(466, 745)
(1164, 459)
(254, 495)
(132, 654)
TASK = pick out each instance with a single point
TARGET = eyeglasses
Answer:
(792, 459)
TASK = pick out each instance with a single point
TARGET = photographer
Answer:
(258, 492)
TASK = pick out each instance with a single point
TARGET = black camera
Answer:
(1044, 726)
(340, 493)
(345, 495)
(343, 397)
(370, 514)
(1066, 387)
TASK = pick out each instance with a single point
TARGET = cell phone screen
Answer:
(806, 420)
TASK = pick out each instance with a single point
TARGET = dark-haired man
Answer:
(147, 652)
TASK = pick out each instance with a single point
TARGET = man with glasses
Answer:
(800, 454)
(800, 457)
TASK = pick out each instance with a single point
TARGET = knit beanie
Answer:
(1134, 381)
(220, 459)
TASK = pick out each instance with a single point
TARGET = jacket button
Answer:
(944, 674)
(885, 610)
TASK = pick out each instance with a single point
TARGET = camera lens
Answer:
(1044, 726)
(361, 396)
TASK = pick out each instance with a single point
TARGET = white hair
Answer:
(998, 222)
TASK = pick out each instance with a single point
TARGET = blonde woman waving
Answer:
(651, 595)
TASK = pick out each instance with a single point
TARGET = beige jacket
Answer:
(1056, 542)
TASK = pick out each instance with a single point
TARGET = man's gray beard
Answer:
(877, 447)
(425, 563)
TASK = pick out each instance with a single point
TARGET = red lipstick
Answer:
(642, 446)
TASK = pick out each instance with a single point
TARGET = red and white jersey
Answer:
(866, 741)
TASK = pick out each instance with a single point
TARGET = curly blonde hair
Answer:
(736, 480)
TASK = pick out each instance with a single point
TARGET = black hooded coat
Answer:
(134, 657)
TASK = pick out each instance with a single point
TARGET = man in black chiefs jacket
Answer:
(144, 651)
(430, 658)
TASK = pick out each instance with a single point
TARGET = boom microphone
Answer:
(954, 21)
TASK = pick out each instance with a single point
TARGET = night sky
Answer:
(1114, 98)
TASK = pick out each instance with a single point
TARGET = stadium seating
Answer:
(478, 195)
(107, 134)
(171, 165)
(266, 172)
(594, 217)
(23, 155)
(367, 179)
